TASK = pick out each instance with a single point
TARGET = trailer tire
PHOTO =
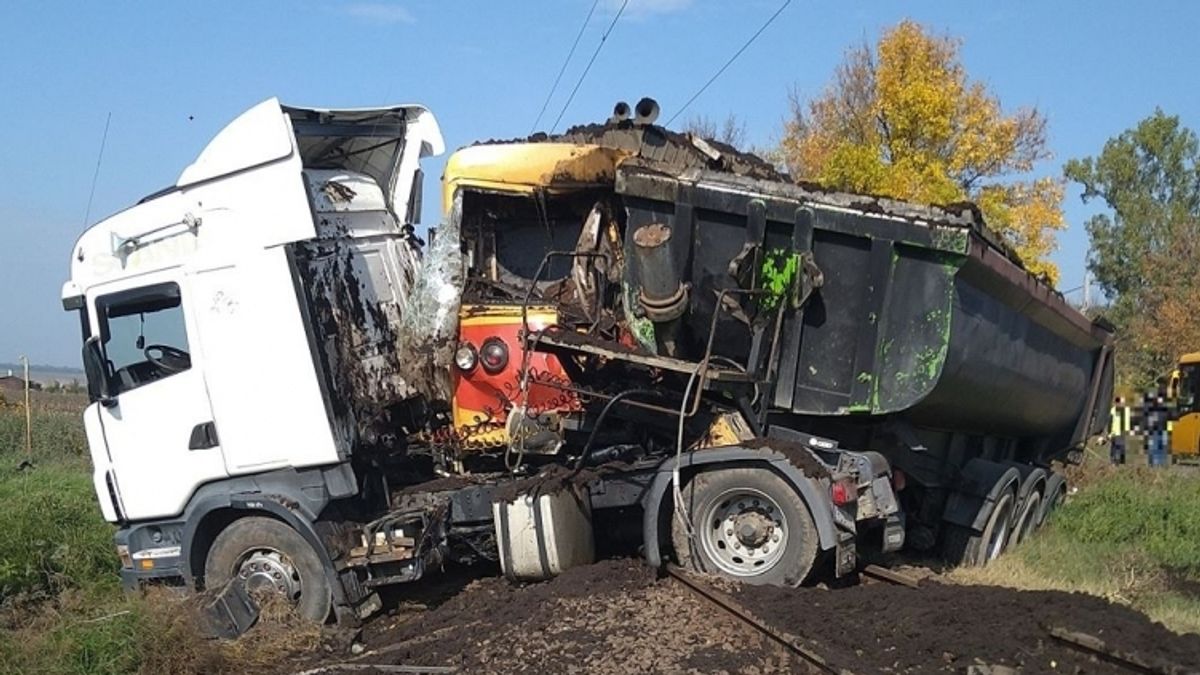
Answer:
(1027, 518)
(966, 546)
(269, 555)
(776, 542)
(1056, 494)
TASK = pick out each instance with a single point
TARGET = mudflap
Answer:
(847, 555)
(228, 612)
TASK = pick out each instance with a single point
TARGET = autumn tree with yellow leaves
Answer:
(902, 120)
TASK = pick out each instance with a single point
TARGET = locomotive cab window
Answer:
(143, 335)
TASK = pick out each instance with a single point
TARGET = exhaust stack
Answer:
(645, 112)
(620, 113)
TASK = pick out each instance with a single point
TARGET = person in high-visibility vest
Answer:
(1118, 428)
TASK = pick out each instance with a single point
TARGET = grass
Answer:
(61, 606)
(62, 609)
(1129, 534)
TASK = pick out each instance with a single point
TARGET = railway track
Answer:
(1083, 643)
(736, 610)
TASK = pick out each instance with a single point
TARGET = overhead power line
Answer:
(589, 65)
(563, 69)
(730, 61)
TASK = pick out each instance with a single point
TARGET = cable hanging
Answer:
(730, 61)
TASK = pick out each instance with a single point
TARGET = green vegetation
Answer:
(1143, 248)
(58, 568)
(1130, 534)
(62, 609)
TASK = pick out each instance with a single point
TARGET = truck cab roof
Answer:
(264, 151)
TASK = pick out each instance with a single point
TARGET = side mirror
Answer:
(97, 375)
(414, 197)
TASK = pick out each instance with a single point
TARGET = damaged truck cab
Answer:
(240, 333)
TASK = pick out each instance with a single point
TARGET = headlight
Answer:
(465, 358)
(494, 355)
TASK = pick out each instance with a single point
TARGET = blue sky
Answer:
(172, 74)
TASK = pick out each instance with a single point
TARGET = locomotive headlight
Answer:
(494, 355)
(466, 358)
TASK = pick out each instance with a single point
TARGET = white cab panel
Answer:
(265, 393)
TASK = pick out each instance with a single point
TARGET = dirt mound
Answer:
(620, 616)
(615, 616)
(944, 627)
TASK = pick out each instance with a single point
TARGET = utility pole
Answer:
(28, 412)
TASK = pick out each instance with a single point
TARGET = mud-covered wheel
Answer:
(268, 556)
(965, 546)
(747, 524)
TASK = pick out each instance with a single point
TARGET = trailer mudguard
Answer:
(810, 491)
(980, 484)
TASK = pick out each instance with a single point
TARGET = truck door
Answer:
(157, 421)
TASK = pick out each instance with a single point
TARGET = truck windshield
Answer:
(1189, 385)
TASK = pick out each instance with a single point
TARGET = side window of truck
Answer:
(143, 334)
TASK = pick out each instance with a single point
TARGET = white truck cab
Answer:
(213, 315)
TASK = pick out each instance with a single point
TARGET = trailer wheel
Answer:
(1027, 518)
(269, 556)
(965, 546)
(748, 524)
(1056, 494)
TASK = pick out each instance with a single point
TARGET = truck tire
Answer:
(268, 555)
(748, 524)
(965, 546)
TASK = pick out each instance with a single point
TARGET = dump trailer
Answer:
(619, 334)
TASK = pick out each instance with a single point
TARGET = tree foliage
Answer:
(1145, 254)
(903, 120)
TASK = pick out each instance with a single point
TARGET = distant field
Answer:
(45, 375)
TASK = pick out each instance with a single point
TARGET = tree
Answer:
(1145, 254)
(731, 131)
(903, 120)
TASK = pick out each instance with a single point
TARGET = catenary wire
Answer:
(563, 69)
(730, 61)
(583, 75)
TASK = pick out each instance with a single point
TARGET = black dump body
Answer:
(923, 316)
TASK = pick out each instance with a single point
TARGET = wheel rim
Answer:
(268, 570)
(999, 531)
(1029, 521)
(744, 532)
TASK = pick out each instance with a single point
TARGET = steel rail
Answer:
(732, 607)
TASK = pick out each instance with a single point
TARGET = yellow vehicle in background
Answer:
(1184, 386)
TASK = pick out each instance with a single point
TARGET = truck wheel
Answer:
(965, 546)
(269, 556)
(749, 525)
